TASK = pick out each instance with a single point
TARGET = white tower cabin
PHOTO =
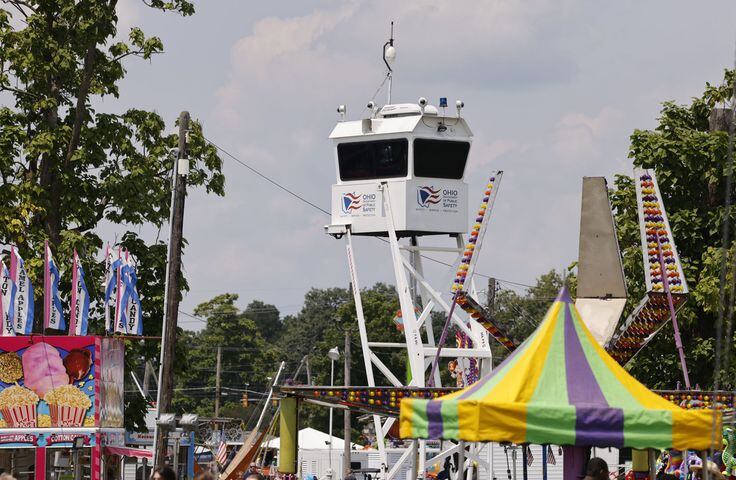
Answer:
(418, 154)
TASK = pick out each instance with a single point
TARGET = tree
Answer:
(266, 318)
(66, 164)
(519, 315)
(321, 325)
(246, 360)
(303, 332)
(690, 162)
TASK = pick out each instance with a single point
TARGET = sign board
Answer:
(60, 382)
(419, 205)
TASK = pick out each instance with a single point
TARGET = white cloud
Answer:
(485, 154)
(579, 137)
(275, 37)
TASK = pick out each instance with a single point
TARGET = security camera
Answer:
(422, 102)
(459, 104)
(371, 105)
(341, 109)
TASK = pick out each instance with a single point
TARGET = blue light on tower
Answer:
(443, 102)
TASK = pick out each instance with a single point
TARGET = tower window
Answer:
(440, 158)
(374, 159)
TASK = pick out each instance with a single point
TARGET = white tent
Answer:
(311, 439)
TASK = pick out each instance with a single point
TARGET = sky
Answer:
(552, 91)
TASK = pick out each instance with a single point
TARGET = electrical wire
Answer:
(265, 177)
(326, 212)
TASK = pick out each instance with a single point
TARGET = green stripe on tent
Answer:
(648, 428)
(450, 419)
(544, 420)
(419, 421)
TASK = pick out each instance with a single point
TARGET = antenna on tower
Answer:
(389, 57)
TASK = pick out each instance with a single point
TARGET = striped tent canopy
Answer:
(560, 387)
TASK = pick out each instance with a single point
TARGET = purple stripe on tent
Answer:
(599, 427)
(582, 387)
(563, 296)
(434, 418)
(596, 423)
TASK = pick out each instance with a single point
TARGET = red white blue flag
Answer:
(132, 301)
(53, 313)
(221, 455)
(21, 296)
(5, 289)
(121, 296)
(110, 283)
(79, 315)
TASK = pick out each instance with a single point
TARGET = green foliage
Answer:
(66, 166)
(691, 165)
(266, 318)
(246, 360)
(519, 315)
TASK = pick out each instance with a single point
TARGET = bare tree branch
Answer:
(137, 53)
(6, 88)
(80, 110)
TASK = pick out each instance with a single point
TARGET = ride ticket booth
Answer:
(61, 407)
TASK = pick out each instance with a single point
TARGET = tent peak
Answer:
(564, 295)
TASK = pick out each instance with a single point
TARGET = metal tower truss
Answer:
(418, 298)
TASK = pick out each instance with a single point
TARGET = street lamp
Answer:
(334, 355)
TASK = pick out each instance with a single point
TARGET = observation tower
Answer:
(401, 176)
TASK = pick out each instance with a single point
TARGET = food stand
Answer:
(61, 406)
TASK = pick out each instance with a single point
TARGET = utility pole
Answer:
(146, 379)
(309, 373)
(173, 290)
(217, 381)
(347, 432)
(491, 296)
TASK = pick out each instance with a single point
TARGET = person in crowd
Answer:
(350, 475)
(597, 469)
(164, 473)
(253, 475)
(204, 475)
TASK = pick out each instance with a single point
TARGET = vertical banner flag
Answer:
(21, 295)
(5, 289)
(80, 300)
(134, 313)
(110, 283)
(120, 296)
(53, 313)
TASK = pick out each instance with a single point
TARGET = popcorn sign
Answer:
(52, 382)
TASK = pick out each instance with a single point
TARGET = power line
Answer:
(268, 179)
